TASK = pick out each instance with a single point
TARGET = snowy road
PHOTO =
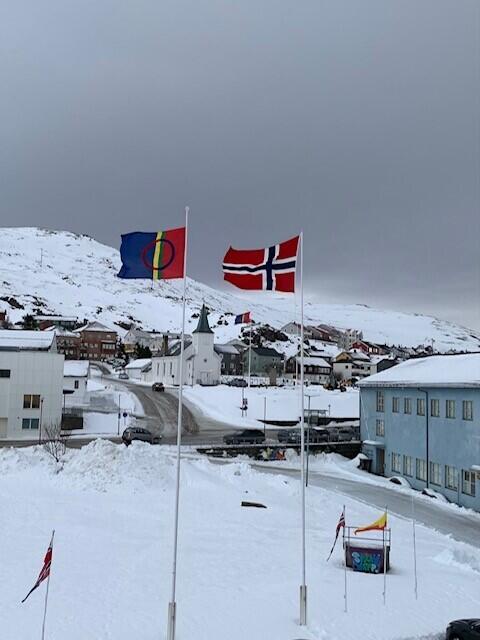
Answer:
(460, 524)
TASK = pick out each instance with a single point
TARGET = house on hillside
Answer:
(65, 322)
(368, 347)
(315, 369)
(421, 420)
(201, 363)
(31, 383)
(352, 364)
(263, 360)
(231, 359)
(98, 342)
(136, 369)
(154, 340)
(68, 342)
(347, 338)
(75, 379)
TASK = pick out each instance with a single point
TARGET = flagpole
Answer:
(172, 605)
(414, 548)
(46, 592)
(345, 561)
(303, 586)
(250, 354)
(385, 559)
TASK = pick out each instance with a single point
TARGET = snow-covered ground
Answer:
(238, 569)
(77, 277)
(223, 403)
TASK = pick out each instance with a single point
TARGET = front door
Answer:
(380, 466)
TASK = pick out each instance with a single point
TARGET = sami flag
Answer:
(270, 269)
(157, 256)
(243, 318)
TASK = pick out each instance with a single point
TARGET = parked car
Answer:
(123, 375)
(237, 382)
(345, 434)
(248, 436)
(468, 629)
(137, 433)
(313, 436)
(283, 435)
(158, 386)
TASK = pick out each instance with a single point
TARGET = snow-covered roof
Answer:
(11, 339)
(94, 325)
(57, 318)
(141, 363)
(315, 361)
(462, 370)
(64, 333)
(76, 368)
(226, 348)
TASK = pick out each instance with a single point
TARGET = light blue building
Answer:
(421, 420)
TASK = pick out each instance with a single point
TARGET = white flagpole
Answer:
(46, 592)
(385, 560)
(414, 548)
(345, 559)
(303, 586)
(172, 605)
(249, 354)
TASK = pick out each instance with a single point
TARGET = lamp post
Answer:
(40, 421)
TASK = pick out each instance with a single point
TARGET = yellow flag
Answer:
(378, 525)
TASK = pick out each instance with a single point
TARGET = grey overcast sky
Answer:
(357, 120)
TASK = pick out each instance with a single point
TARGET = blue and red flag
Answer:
(243, 318)
(270, 269)
(45, 572)
(156, 256)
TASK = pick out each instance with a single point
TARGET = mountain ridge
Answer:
(49, 271)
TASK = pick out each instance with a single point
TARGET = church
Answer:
(201, 364)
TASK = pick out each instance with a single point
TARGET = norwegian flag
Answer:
(270, 269)
(243, 318)
(45, 572)
(340, 525)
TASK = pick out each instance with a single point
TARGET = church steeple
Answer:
(203, 324)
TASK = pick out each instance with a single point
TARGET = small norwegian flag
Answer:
(45, 572)
(243, 318)
(270, 269)
(340, 525)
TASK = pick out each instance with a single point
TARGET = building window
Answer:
(435, 408)
(396, 463)
(451, 478)
(395, 405)
(435, 473)
(4, 373)
(407, 466)
(468, 483)
(31, 401)
(421, 470)
(380, 428)
(420, 406)
(467, 410)
(30, 423)
(407, 405)
(380, 401)
(450, 408)
(75, 384)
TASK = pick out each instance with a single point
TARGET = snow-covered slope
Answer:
(60, 272)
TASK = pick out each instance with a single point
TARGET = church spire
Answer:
(203, 325)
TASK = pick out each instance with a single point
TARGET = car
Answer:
(284, 434)
(247, 436)
(237, 382)
(312, 436)
(158, 386)
(138, 433)
(123, 375)
(345, 434)
(466, 629)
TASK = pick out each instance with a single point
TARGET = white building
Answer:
(201, 363)
(315, 369)
(31, 383)
(75, 380)
(136, 369)
(353, 364)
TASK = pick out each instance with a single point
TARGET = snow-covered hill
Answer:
(60, 272)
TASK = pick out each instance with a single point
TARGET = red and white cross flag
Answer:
(45, 572)
(340, 525)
